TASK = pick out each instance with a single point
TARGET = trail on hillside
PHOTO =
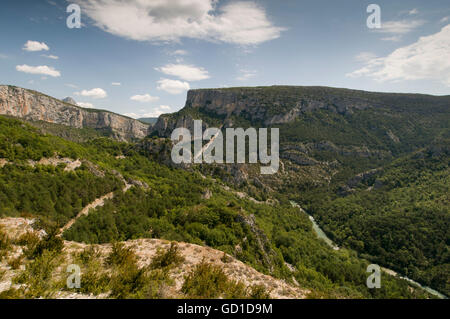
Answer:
(99, 202)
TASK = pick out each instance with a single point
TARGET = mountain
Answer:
(369, 167)
(35, 106)
(349, 158)
(148, 120)
(117, 205)
(279, 105)
(69, 100)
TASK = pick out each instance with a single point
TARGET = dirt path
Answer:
(204, 148)
(99, 202)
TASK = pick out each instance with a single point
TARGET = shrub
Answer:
(210, 281)
(51, 242)
(258, 292)
(169, 258)
(121, 255)
(15, 263)
(5, 244)
(93, 280)
(11, 293)
(37, 276)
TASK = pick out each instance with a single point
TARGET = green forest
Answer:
(173, 207)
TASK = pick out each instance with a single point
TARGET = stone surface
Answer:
(34, 106)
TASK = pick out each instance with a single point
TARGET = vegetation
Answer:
(404, 224)
(172, 207)
(210, 281)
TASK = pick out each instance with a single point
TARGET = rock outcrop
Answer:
(34, 106)
(263, 105)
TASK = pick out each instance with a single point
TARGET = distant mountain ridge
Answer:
(35, 106)
(275, 105)
(149, 120)
(69, 100)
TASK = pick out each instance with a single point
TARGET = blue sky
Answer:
(139, 57)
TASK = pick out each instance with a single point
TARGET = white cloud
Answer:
(400, 27)
(53, 57)
(96, 93)
(3, 56)
(414, 11)
(426, 59)
(73, 86)
(444, 19)
(173, 86)
(155, 112)
(116, 84)
(243, 23)
(246, 75)
(179, 52)
(33, 46)
(85, 105)
(41, 69)
(146, 98)
(394, 38)
(185, 72)
(365, 56)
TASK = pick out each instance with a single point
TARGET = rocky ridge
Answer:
(34, 106)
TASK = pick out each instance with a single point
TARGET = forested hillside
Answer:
(169, 203)
(371, 167)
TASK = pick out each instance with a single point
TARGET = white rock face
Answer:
(34, 106)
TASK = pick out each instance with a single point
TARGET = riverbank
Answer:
(321, 234)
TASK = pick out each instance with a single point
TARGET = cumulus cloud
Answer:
(33, 46)
(41, 69)
(173, 86)
(185, 72)
(426, 59)
(242, 22)
(116, 84)
(414, 11)
(96, 93)
(85, 105)
(146, 98)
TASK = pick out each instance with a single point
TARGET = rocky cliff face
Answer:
(34, 106)
(263, 105)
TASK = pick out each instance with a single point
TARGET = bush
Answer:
(169, 258)
(51, 242)
(93, 279)
(258, 292)
(37, 276)
(121, 255)
(15, 263)
(5, 244)
(210, 281)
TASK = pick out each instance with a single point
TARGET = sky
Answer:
(139, 57)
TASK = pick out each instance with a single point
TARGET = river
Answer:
(321, 234)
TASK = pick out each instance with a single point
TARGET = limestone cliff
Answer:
(262, 105)
(34, 106)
